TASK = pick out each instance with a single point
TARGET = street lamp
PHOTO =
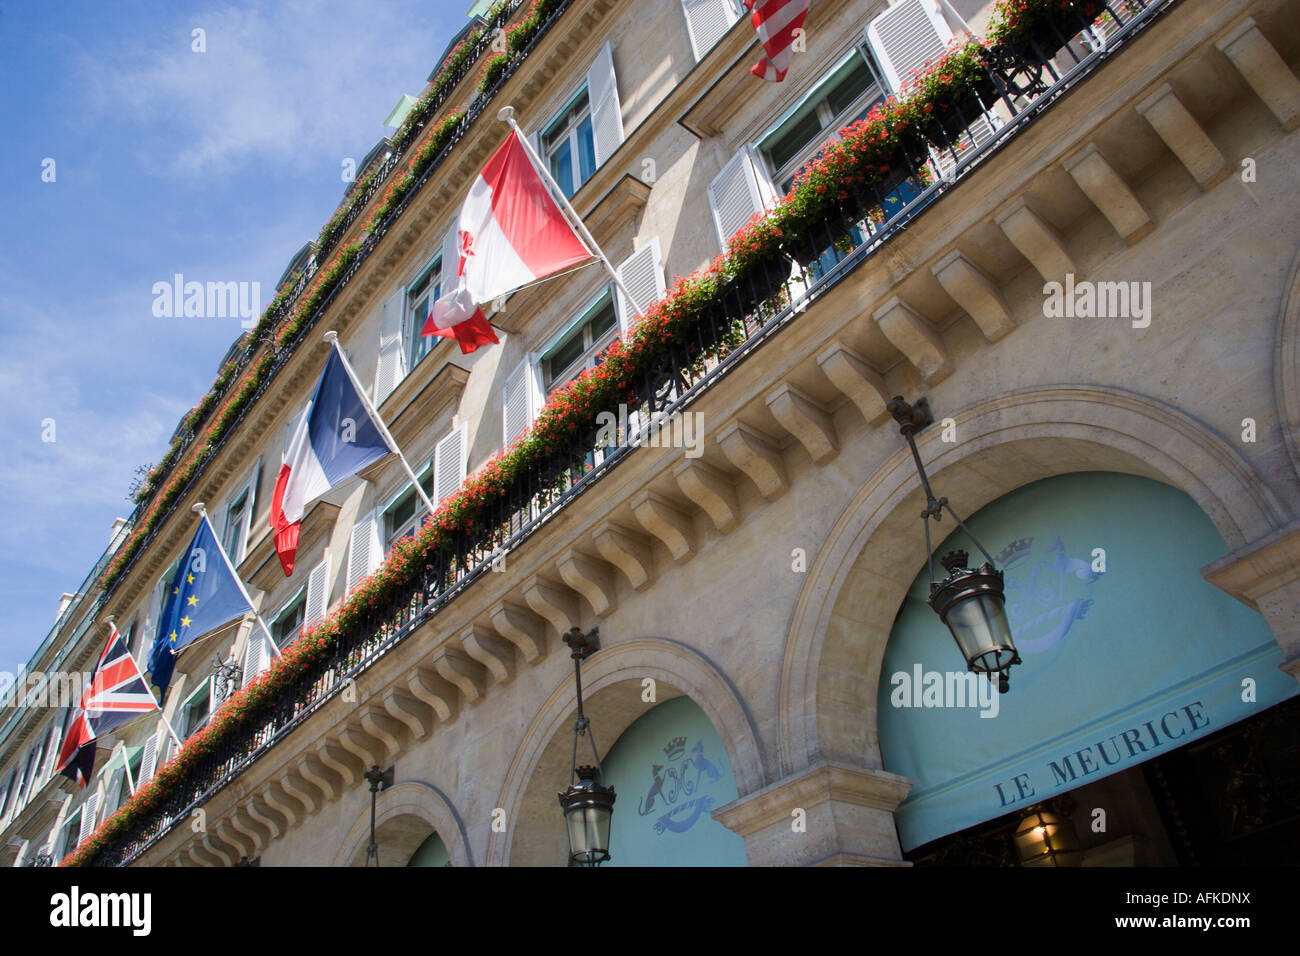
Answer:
(969, 600)
(588, 804)
(379, 780)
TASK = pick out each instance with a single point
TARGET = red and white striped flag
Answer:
(511, 233)
(117, 693)
(776, 22)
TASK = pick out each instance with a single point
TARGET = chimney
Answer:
(64, 600)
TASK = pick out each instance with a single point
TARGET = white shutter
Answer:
(736, 193)
(148, 760)
(606, 113)
(52, 754)
(907, 36)
(707, 22)
(518, 401)
(88, 816)
(364, 551)
(255, 656)
(450, 462)
(317, 593)
(112, 796)
(392, 354)
(290, 428)
(642, 274)
(450, 261)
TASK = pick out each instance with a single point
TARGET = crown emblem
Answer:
(675, 747)
(1014, 549)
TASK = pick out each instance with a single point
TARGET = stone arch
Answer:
(1286, 367)
(406, 814)
(843, 617)
(611, 682)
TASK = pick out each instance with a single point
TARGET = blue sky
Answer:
(218, 165)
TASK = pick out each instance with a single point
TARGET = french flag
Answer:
(511, 233)
(336, 437)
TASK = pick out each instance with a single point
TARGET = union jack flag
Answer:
(117, 692)
(776, 22)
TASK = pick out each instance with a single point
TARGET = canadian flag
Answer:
(511, 233)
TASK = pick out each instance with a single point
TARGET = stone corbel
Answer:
(1263, 68)
(1109, 193)
(1036, 240)
(521, 628)
(1184, 136)
(755, 454)
(590, 579)
(806, 420)
(556, 604)
(849, 372)
(711, 491)
(667, 522)
(627, 551)
(909, 332)
(977, 294)
(493, 652)
(462, 671)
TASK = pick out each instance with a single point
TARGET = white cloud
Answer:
(283, 83)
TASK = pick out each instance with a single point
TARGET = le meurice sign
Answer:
(1132, 745)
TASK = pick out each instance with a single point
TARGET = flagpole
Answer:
(333, 338)
(201, 510)
(507, 115)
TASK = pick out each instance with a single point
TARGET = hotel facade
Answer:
(1095, 287)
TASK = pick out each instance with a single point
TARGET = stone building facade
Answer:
(748, 587)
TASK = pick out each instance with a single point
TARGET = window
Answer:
(569, 145)
(844, 96)
(287, 625)
(402, 518)
(420, 296)
(132, 637)
(235, 535)
(67, 841)
(586, 132)
(197, 709)
(580, 346)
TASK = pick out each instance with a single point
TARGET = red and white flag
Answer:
(776, 22)
(511, 233)
(117, 692)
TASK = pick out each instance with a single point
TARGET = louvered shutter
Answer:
(148, 760)
(317, 593)
(518, 401)
(906, 37)
(364, 551)
(606, 113)
(450, 262)
(449, 464)
(736, 193)
(707, 22)
(392, 354)
(643, 277)
(88, 816)
(52, 752)
(255, 656)
(113, 795)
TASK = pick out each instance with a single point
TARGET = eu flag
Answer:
(202, 596)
